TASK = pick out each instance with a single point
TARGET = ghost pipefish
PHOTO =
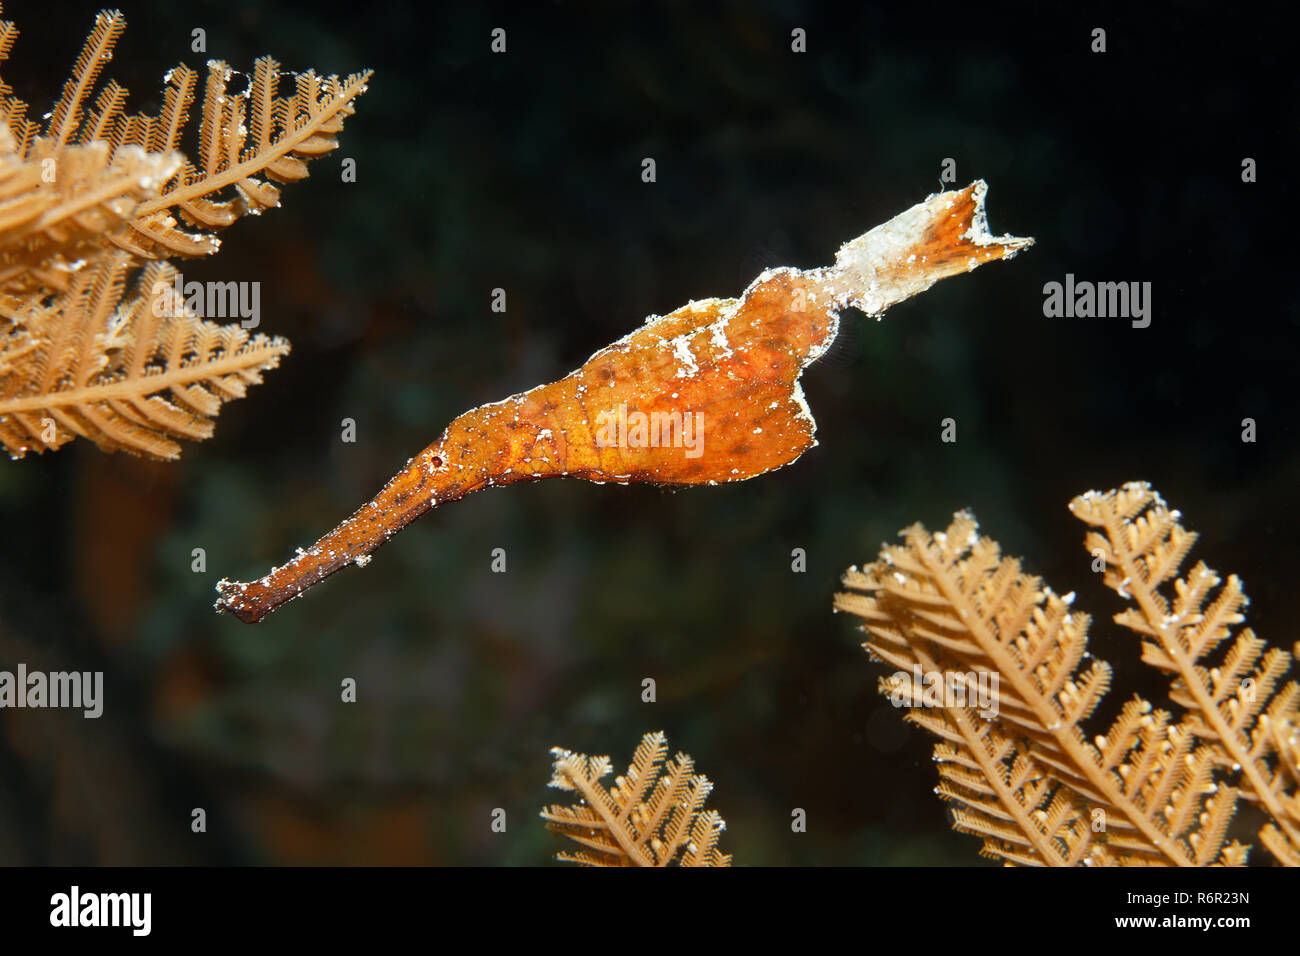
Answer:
(707, 394)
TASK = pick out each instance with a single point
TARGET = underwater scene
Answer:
(840, 435)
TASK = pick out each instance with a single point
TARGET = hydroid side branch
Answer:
(652, 815)
(1160, 785)
(96, 194)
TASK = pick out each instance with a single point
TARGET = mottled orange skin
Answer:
(751, 425)
(734, 362)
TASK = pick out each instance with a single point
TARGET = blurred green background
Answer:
(522, 171)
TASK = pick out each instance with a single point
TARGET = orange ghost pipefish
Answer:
(706, 394)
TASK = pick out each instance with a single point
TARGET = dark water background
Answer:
(522, 171)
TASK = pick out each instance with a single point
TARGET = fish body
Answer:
(707, 394)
